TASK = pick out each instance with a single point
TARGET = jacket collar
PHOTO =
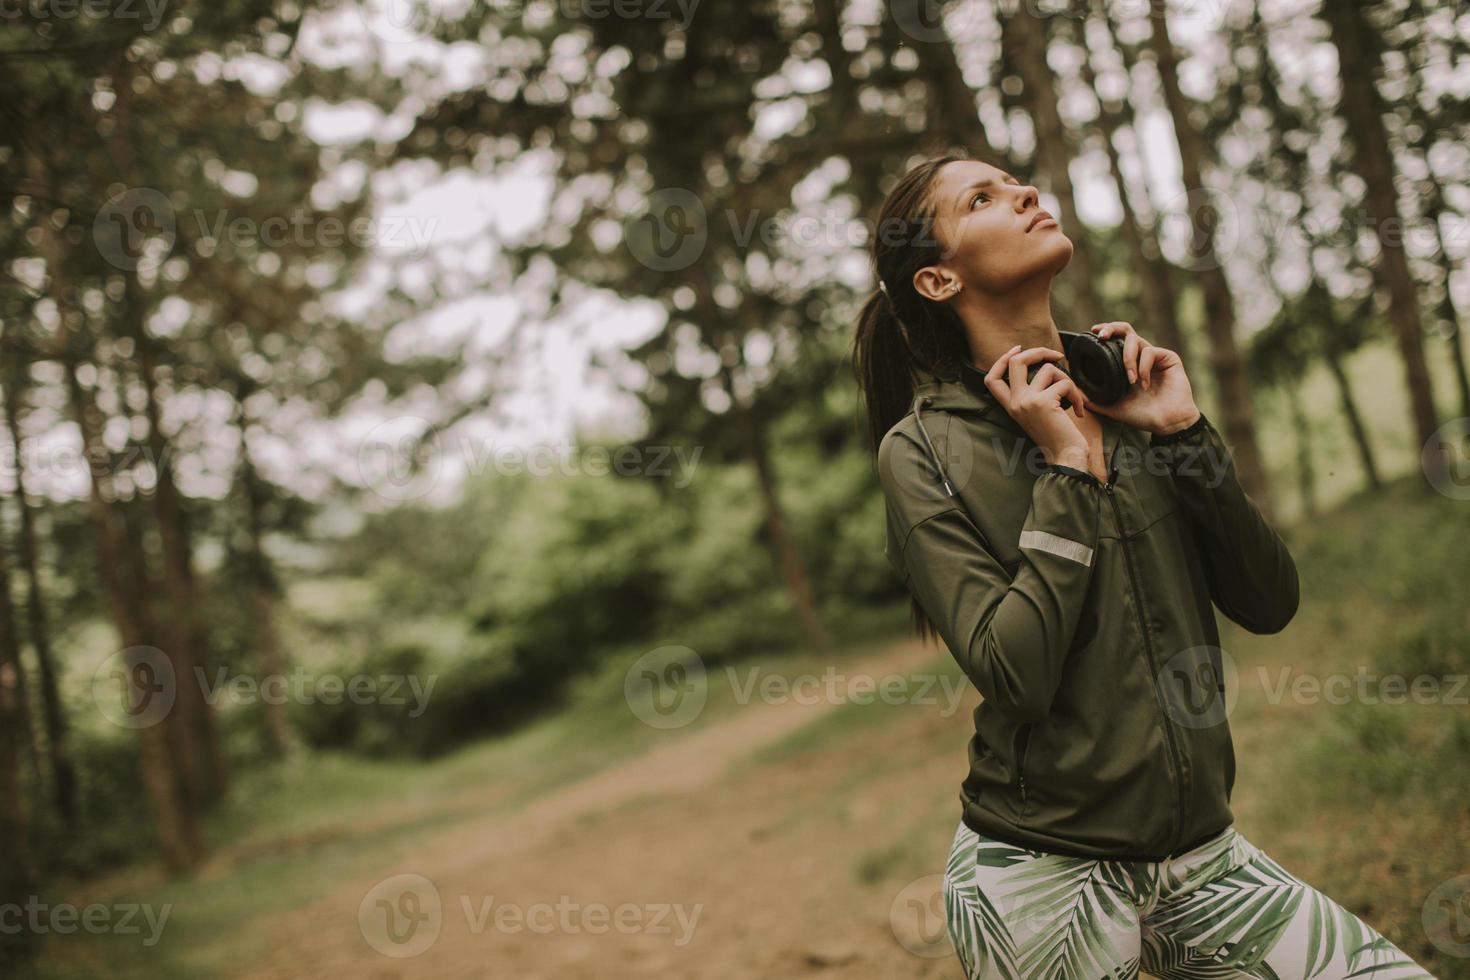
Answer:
(967, 393)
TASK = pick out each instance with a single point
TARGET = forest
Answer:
(382, 378)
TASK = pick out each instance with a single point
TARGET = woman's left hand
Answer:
(1162, 400)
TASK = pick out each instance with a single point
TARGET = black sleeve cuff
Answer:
(1075, 473)
(1194, 428)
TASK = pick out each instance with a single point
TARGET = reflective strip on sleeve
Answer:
(1063, 547)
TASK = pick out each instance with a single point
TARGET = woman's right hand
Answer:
(1066, 438)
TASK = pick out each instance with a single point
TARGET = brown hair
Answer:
(901, 331)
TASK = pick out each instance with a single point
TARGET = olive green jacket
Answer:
(1081, 610)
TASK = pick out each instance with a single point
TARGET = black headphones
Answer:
(1096, 365)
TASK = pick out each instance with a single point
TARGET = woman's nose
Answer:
(1027, 197)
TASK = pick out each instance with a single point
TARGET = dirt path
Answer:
(678, 863)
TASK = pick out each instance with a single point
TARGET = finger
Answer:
(1046, 375)
(1066, 388)
(1132, 344)
(1019, 362)
(1146, 360)
(998, 388)
(998, 368)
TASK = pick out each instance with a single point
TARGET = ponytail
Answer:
(883, 363)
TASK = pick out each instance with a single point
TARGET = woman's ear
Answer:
(936, 284)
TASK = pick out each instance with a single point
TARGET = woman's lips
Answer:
(1042, 220)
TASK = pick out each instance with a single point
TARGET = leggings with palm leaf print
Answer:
(1224, 910)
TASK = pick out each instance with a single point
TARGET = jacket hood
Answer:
(967, 393)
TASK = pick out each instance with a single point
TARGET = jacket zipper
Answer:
(1174, 765)
(1021, 745)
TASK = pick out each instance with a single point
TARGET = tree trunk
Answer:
(792, 568)
(175, 819)
(952, 101)
(1027, 33)
(1156, 297)
(1219, 316)
(1363, 109)
(1306, 474)
(13, 674)
(207, 782)
(264, 595)
(1434, 207)
(63, 774)
(17, 867)
(1333, 355)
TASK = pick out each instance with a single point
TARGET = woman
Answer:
(1068, 554)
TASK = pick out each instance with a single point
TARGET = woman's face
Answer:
(988, 229)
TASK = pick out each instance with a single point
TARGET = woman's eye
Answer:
(977, 197)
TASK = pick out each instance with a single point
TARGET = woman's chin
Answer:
(1059, 253)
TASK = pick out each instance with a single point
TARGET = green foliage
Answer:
(551, 576)
(110, 810)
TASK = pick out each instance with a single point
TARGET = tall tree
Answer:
(62, 772)
(1291, 129)
(1027, 35)
(1359, 60)
(1436, 120)
(1153, 276)
(1219, 303)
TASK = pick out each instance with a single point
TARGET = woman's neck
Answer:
(996, 322)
